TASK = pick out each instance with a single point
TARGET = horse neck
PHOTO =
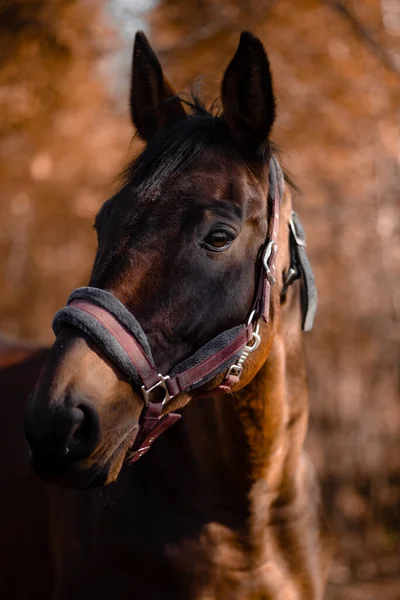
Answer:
(225, 448)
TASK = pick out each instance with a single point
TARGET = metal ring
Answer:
(272, 246)
(256, 339)
(160, 383)
(251, 317)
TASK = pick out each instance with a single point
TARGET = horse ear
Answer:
(247, 95)
(153, 102)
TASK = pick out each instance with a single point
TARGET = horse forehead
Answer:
(220, 178)
(214, 175)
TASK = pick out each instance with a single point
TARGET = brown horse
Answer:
(196, 258)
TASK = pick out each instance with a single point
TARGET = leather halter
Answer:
(109, 323)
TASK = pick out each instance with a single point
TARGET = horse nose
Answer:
(84, 431)
(71, 430)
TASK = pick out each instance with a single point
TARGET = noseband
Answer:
(115, 330)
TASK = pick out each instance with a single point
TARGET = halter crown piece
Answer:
(115, 330)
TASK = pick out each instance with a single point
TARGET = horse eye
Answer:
(218, 240)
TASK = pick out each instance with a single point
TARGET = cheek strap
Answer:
(300, 268)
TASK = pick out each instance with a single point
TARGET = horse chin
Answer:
(68, 475)
(78, 475)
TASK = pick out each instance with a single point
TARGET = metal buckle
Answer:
(290, 277)
(160, 383)
(251, 317)
(256, 339)
(266, 256)
(237, 368)
(234, 370)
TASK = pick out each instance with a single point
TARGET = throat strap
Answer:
(151, 426)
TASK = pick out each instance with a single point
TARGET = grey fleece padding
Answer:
(279, 176)
(273, 180)
(103, 338)
(308, 289)
(209, 349)
(115, 307)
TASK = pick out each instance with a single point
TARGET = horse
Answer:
(171, 412)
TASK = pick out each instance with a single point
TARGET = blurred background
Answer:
(65, 134)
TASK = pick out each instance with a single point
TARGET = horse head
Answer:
(181, 248)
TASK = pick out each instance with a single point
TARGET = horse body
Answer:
(225, 504)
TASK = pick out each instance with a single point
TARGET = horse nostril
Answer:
(71, 429)
(84, 433)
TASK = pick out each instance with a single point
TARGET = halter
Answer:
(113, 328)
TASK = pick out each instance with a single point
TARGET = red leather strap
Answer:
(268, 264)
(147, 371)
(151, 426)
(225, 387)
(200, 371)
